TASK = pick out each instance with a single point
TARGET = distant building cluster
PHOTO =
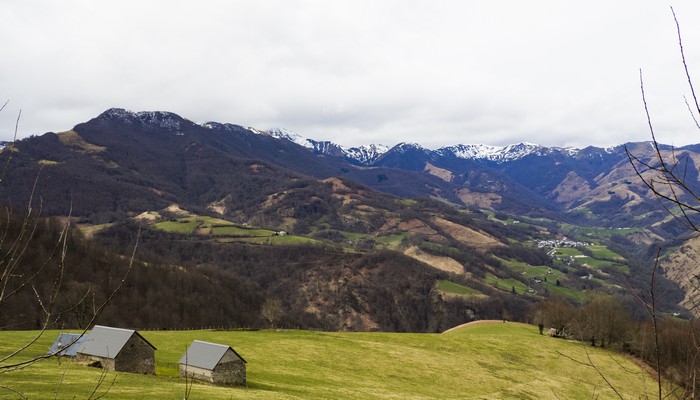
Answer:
(564, 242)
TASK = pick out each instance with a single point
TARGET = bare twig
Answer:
(591, 364)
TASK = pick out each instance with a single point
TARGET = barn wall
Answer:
(106, 363)
(196, 373)
(230, 373)
(136, 356)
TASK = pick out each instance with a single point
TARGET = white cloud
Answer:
(432, 72)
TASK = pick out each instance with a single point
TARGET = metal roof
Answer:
(105, 341)
(66, 344)
(205, 355)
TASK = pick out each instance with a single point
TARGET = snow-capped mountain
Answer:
(369, 154)
(160, 119)
(281, 133)
(152, 147)
(365, 155)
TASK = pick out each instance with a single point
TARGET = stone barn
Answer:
(116, 349)
(66, 344)
(215, 363)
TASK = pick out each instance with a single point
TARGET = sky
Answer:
(434, 72)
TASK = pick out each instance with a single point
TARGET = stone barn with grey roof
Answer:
(212, 362)
(116, 349)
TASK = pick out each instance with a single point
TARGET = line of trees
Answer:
(607, 320)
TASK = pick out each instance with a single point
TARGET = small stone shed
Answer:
(117, 349)
(212, 362)
(66, 344)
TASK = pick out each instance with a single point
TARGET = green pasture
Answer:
(597, 232)
(490, 361)
(188, 225)
(232, 230)
(287, 240)
(448, 287)
(542, 271)
(354, 236)
(392, 239)
(598, 251)
(184, 226)
(506, 284)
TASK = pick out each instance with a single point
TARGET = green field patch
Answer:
(598, 232)
(579, 258)
(287, 240)
(567, 252)
(204, 225)
(392, 239)
(184, 226)
(506, 284)
(600, 251)
(232, 230)
(492, 361)
(530, 271)
(548, 277)
(575, 295)
(354, 236)
(599, 264)
(448, 287)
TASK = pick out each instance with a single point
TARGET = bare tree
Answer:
(666, 174)
(670, 177)
(21, 277)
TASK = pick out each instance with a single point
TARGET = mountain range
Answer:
(473, 213)
(590, 185)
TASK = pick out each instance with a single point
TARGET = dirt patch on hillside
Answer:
(175, 209)
(682, 266)
(570, 189)
(72, 139)
(441, 173)
(474, 323)
(479, 200)
(442, 263)
(417, 226)
(337, 185)
(466, 235)
(148, 216)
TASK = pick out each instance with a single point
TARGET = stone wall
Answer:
(226, 373)
(230, 373)
(200, 374)
(136, 356)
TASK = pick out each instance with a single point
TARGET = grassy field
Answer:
(232, 230)
(506, 284)
(490, 361)
(457, 289)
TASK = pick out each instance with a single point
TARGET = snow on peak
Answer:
(160, 119)
(281, 133)
(493, 153)
(365, 154)
(404, 146)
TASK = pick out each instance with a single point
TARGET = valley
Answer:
(232, 190)
(236, 228)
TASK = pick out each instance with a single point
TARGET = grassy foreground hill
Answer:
(487, 361)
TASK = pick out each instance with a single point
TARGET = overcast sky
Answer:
(556, 73)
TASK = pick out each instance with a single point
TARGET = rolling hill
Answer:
(496, 361)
